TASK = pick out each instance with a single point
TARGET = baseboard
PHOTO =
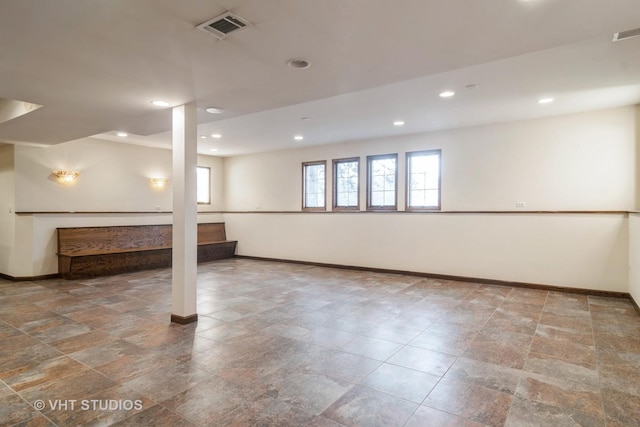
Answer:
(182, 320)
(29, 278)
(635, 304)
(483, 281)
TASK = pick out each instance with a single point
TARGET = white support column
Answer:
(185, 216)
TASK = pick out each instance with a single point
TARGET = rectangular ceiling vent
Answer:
(623, 35)
(223, 25)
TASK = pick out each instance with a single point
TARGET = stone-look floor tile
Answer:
(167, 381)
(567, 395)
(328, 337)
(504, 352)
(362, 406)
(430, 362)
(105, 353)
(341, 365)
(372, 348)
(39, 421)
(558, 368)
(156, 416)
(4, 389)
(489, 375)
(451, 344)
(103, 408)
(470, 401)
(512, 322)
(14, 410)
(42, 372)
(528, 413)
(75, 386)
(426, 416)
(82, 341)
(308, 391)
(569, 336)
(569, 323)
(131, 366)
(528, 296)
(624, 378)
(265, 411)
(621, 344)
(576, 353)
(28, 356)
(8, 331)
(318, 421)
(61, 332)
(209, 401)
(402, 382)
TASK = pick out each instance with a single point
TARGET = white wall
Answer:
(113, 183)
(634, 256)
(7, 204)
(575, 162)
(114, 177)
(583, 162)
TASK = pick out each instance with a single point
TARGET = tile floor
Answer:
(293, 345)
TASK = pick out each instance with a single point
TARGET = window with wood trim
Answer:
(382, 182)
(346, 184)
(203, 185)
(423, 180)
(313, 186)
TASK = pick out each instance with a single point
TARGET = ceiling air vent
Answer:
(223, 25)
(623, 35)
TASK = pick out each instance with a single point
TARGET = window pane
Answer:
(346, 183)
(313, 184)
(423, 175)
(203, 185)
(382, 179)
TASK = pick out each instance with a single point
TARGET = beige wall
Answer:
(575, 162)
(7, 206)
(634, 256)
(113, 178)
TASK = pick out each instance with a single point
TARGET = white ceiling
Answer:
(95, 67)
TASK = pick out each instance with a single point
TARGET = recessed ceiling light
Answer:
(447, 94)
(203, 136)
(214, 110)
(545, 100)
(214, 150)
(398, 123)
(298, 63)
(471, 86)
(298, 137)
(160, 103)
(305, 118)
(122, 134)
(216, 135)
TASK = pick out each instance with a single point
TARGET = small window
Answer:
(313, 186)
(346, 183)
(423, 180)
(203, 185)
(382, 173)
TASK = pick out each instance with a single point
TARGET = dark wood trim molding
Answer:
(434, 212)
(635, 304)
(29, 278)
(182, 320)
(483, 281)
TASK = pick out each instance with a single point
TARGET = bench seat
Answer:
(97, 251)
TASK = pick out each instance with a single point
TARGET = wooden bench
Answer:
(98, 251)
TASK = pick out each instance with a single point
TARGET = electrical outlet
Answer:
(521, 205)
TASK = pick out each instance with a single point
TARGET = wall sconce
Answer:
(66, 177)
(159, 183)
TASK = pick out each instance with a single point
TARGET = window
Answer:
(382, 180)
(313, 186)
(423, 180)
(346, 184)
(203, 185)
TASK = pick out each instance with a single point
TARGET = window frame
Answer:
(304, 183)
(370, 159)
(334, 205)
(408, 181)
(208, 202)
